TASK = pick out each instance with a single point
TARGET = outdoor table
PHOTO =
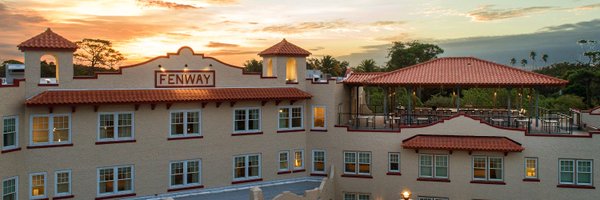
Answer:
(522, 123)
(550, 125)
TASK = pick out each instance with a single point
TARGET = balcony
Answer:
(539, 121)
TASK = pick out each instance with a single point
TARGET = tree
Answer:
(328, 65)
(253, 65)
(96, 53)
(403, 54)
(513, 61)
(545, 58)
(532, 55)
(523, 62)
(583, 79)
(367, 65)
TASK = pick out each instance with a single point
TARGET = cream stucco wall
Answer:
(152, 152)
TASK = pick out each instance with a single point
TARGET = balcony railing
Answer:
(545, 122)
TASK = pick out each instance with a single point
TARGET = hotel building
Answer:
(184, 123)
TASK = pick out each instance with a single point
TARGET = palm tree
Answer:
(545, 58)
(513, 61)
(532, 55)
(523, 62)
(368, 65)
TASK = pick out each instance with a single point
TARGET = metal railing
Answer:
(544, 122)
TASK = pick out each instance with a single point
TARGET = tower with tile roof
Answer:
(284, 60)
(48, 43)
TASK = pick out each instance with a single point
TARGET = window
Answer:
(577, 172)
(185, 173)
(487, 168)
(290, 71)
(319, 120)
(37, 185)
(357, 163)
(115, 126)
(246, 167)
(433, 166)
(185, 123)
(284, 160)
(115, 180)
(356, 196)
(298, 159)
(246, 120)
(394, 162)
(531, 168)
(318, 158)
(50, 129)
(9, 132)
(290, 117)
(62, 183)
(10, 188)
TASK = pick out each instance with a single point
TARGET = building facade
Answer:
(188, 122)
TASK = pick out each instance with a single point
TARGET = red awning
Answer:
(461, 142)
(68, 97)
(459, 71)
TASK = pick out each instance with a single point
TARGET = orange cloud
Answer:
(166, 4)
(212, 44)
(488, 13)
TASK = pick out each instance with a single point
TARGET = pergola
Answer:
(453, 72)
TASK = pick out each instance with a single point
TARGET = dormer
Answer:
(56, 51)
(283, 60)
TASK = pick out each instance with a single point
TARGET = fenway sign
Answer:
(181, 78)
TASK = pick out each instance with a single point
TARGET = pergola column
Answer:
(537, 108)
(457, 99)
(385, 104)
(509, 106)
(409, 107)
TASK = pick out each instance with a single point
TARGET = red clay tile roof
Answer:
(359, 77)
(285, 48)
(462, 142)
(69, 97)
(47, 40)
(468, 71)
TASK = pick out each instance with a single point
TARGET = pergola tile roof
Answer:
(359, 77)
(47, 40)
(468, 71)
(69, 97)
(462, 142)
(285, 48)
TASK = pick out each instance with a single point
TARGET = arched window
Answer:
(48, 69)
(270, 67)
(290, 71)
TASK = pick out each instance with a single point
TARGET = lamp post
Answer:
(406, 195)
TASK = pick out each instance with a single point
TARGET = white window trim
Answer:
(56, 194)
(301, 161)
(247, 167)
(16, 178)
(355, 194)
(324, 161)
(536, 167)
(434, 166)
(45, 185)
(116, 126)
(312, 110)
(290, 118)
(185, 133)
(390, 161)
(357, 162)
(279, 161)
(575, 171)
(185, 173)
(247, 120)
(115, 180)
(16, 145)
(487, 168)
(50, 128)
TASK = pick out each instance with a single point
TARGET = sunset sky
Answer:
(236, 30)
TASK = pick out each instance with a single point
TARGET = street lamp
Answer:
(406, 195)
